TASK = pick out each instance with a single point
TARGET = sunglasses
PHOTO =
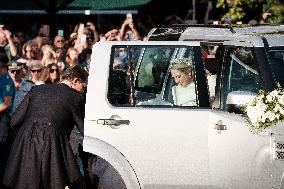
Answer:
(36, 71)
(15, 71)
(60, 41)
(53, 70)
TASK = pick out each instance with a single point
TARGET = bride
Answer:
(184, 90)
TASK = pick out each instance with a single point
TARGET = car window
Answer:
(152, 76)
(241, 73)
(123, 64)
(276, 59)
(153, 68)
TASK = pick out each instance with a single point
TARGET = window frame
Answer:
(200, 80)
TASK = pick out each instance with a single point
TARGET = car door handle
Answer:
(114, 122)
(220, 126)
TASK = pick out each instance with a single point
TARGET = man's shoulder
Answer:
(26, 85)
(56, 89)
(5, 77)
(7, 80)
(8, 88)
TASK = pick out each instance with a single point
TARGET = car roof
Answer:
(260, 30)
(174, 32)
(273, 35)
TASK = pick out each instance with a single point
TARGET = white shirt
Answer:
(184, 96)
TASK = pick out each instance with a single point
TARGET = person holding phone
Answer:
(91, 25)
(128, 32)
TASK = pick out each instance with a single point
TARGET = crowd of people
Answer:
(25, 64)
(43, 58)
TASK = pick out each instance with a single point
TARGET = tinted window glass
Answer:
(122, 67)
(153, 68)
(152, 76)
(276, 57)
(240, 73)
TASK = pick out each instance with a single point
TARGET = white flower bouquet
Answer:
(265, 110)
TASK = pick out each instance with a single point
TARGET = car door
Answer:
(238, 158)
(166, 145)
(170, 146)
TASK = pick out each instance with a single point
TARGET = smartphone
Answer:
(60, 32)
(81, 26)
(129, 16)
(81, 29)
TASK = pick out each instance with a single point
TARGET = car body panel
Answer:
(174, 147)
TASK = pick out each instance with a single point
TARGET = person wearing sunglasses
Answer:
(59, 42)
(22, 85)
(35, 68)
(51, 74)
(15, 72)
(44, 121)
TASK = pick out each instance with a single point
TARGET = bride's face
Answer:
(181, 78)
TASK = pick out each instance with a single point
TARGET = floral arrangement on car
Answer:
(265, 110)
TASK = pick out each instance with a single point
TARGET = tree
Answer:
(236, 9)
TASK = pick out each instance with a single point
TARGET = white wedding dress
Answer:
(184, 96)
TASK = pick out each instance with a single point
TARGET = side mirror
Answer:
(237, 100)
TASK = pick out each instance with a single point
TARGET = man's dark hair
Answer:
(74, 72)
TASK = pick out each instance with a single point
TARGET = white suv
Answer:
(143, 140)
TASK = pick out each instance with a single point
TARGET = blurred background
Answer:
(106, 14)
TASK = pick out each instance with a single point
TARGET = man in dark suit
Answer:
(41, 155)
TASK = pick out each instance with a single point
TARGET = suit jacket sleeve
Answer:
(78, 114)
(19, 115)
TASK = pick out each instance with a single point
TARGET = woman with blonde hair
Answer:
(48, 55)
(184, 91)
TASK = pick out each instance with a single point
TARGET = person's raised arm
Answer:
(135, 32)
(93, 28)
(13, 48)
(122, 28)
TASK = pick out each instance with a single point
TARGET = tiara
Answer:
(181, 62)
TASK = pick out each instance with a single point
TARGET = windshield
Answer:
(276, 59)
